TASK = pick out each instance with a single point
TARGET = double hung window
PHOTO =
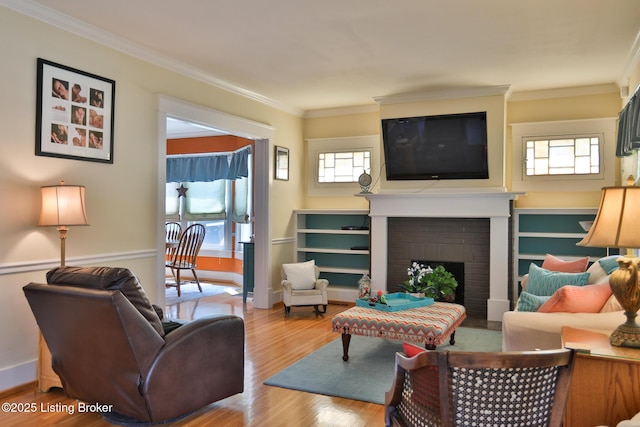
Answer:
(215, 192)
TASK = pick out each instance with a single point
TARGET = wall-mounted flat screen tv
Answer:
(452, 146)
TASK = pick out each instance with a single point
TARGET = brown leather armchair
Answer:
(108, 346)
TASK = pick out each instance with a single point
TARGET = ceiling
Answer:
(311, 55)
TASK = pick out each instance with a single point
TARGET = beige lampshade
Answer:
(63, 205)
(616, 224)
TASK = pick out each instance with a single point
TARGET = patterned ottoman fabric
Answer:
(432, 324)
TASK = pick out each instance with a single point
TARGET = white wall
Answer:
(122, 197)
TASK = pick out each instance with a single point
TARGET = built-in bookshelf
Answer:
(541, 231)
(338, 241)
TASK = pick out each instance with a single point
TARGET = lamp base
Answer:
(627, 334)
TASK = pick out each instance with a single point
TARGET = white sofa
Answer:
(524, 331)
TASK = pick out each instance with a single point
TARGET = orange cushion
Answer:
(411, 350)
(577, 299)
(554, 263)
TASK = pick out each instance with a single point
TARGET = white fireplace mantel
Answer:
(471, 203)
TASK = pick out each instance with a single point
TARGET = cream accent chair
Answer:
(302, 287)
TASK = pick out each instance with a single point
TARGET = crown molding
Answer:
(564, 92)
(79, 28)
(450, 93)
(632, 62)
(341, 111)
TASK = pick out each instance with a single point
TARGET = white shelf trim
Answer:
(330, 231)
(334, 251)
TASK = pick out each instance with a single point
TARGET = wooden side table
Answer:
(47, 378)
(604, 386)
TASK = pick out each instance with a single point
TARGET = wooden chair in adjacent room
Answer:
(172, 232)
(441, 388)
(186, 254)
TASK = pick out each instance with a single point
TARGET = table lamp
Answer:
(616, 226)
(62, 206)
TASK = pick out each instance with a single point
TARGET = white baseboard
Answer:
(335, 293)
(16, 375)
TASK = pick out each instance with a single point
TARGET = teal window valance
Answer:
(208, 167)
(629, 127)
(218, 186)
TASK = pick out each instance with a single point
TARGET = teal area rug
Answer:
(369, 372)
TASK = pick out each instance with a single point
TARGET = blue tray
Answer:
(396, 302)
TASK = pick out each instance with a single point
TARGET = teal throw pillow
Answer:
(543, 282)
(609, 263)
(530, 302)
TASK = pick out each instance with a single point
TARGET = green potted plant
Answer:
(437, 283)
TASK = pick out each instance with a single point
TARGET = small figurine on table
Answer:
(364, 285)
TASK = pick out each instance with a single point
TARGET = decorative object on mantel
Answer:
(62, 206)
(393, 302)
(365, 183)
(437, 283)
(616, 226)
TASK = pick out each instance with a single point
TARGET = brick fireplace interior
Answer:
(464, 240)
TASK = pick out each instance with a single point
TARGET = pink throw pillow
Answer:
(612, 304)
(554, 263)
(577, 299)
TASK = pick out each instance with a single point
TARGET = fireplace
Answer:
(460, 244)
(491, 207)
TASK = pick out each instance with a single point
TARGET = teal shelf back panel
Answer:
(551, 223)
(339, 260)
(524, 264)
(332, 241)
(557, 246)
(342, 279)
(335, 222)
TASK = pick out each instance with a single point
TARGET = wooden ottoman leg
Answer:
(430, 343)
(346, 340)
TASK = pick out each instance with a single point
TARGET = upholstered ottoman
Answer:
(431, 324)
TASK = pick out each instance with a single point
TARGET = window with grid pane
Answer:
(344, 166)
(578, 155)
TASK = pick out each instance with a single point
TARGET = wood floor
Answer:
(273, 342)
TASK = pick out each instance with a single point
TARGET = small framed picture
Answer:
(74, 114)
(282, 164)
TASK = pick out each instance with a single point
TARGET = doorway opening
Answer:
(210, 180)
(233, 125)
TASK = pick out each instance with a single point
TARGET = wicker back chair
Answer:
(481, 389)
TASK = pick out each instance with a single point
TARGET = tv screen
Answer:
(452, 146)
